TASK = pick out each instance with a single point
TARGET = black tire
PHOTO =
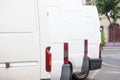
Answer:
(84, 71)
(79, 76)
(71, 69)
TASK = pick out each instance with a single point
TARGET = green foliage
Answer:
(102, 38)
(109, 8)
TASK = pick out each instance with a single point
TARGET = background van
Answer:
(75, 39)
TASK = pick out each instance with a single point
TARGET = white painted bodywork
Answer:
(24, 36)
(72, 23)
(23, 39)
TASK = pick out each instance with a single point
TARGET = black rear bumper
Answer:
(95, 64)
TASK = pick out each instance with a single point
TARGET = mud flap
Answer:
(95, 64)
(66, 72)
(85, 65)
(84, 70)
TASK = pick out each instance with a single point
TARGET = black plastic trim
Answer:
(95, 64)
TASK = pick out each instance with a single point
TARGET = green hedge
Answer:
(102, 38)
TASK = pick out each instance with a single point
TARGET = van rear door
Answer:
(19, 38)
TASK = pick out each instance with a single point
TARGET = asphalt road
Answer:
(110, 68)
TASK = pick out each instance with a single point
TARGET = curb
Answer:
(111, 48)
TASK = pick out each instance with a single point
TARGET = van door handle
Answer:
(7, 65)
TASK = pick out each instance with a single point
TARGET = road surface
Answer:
(110, 68)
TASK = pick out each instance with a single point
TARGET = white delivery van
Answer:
(24, 40)
(75, 39)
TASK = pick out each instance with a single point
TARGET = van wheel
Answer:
(71, 67)
(84, 71)
(79, 76)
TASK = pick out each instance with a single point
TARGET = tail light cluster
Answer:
(48, 59)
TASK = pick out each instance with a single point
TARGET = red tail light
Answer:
(65, 53)
(48, 59)
(85, 48)
(100, 49)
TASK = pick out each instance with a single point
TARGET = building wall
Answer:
(105, 23)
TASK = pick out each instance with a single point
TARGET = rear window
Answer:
(17, 16)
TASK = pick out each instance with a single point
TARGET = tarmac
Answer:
(111, 48)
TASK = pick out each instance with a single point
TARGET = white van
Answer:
(27, 27)
(75, 39)
(24, 36)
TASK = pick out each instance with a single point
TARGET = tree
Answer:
(109, 8)
(102, 38)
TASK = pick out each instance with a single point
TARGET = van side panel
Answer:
(18, 30)
(73, 26)
(56, 38)
(20, 73)
(44, 36)
(92, 30)
(20, 40)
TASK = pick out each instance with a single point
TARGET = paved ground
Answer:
(110, 68)
(114, 44)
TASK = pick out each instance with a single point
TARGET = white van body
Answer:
(29, 27)
(73, 23)
(23, 39)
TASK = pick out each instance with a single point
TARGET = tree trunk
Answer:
(108, 18)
